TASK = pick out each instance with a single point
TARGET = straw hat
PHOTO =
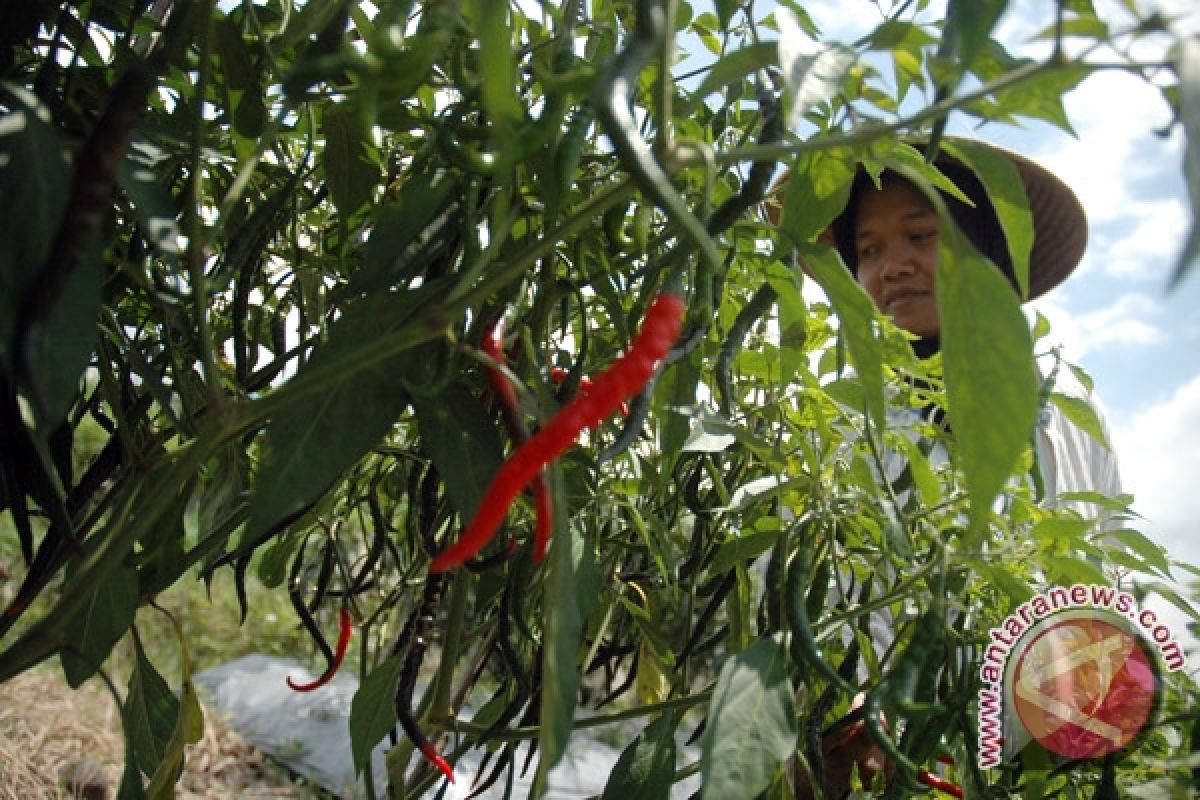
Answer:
(1060, 229)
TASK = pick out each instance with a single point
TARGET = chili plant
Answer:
(252, 263)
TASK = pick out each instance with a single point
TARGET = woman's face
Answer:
(896, 240)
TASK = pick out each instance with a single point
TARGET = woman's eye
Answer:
(867, 251)
(925, 236)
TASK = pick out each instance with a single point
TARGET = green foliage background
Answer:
(247, 259)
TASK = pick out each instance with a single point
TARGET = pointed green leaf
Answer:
(150, 712)
(189, 728)
(59, 347)
(646, 768)
(311, 442)
(99, 624)
(737, 65)
(32, 169)
(351, 169)
(373, 710)
(741, 549)
(572, 585)
(856, 314)
(396, 248)
(1006, 191)
(131, 787)
(987, 354)
(817, 190)
(459, 436)
(752, 726)
(1082, 414)
(156, 209)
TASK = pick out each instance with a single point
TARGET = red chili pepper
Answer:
(586, 410)
(558, 375)
(434, 757)
(934, 782)
(493, 346)
(345, 628)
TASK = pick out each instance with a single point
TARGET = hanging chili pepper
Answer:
(345, 628)
(624, 378)
(942, 785)
(510, 408)
(419, 627)
(558, 375)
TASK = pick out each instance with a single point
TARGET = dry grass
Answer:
(47, 729)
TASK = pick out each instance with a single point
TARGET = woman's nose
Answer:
(899, 260)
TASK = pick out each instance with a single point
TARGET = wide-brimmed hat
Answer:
(1060, 229)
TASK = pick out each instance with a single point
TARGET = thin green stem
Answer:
(196, 234)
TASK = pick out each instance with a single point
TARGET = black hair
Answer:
(978, 222)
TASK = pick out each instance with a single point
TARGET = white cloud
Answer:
(1132, 320)
(1159, 462)
(1146, 244)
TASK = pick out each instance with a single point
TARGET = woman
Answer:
(888, 236)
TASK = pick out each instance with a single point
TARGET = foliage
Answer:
(257, 245)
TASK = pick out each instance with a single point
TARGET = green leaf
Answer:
(737, 65)
(237, 68)
(1153, 554)
(710, 433)
(100, 623)
(752, 725)
(150, 712)
(1006, 191)
(397, 249)
(975, 20)
(373, 710)
(572, 585)
(741, 549)
(311, 442)
(818, 187)
(463, 443)
(1189, 114)
(349, 158)
(189, 729)
(856, 313)
(31, 168)
(924, 479)
(59, 347)
(155, 208)
(1040, 97)
(1082, 414)
(987, 354)
(813, 72)
(131, 787)
(646, 768)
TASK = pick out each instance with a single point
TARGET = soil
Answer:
(52, 736)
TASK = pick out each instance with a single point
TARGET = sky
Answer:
(1115, 316)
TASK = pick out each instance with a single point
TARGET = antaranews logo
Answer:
(1074, 669)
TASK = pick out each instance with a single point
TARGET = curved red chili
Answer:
(493, 346)
(434, 757)
(586, 410)
(345, 629)
(942, 785)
